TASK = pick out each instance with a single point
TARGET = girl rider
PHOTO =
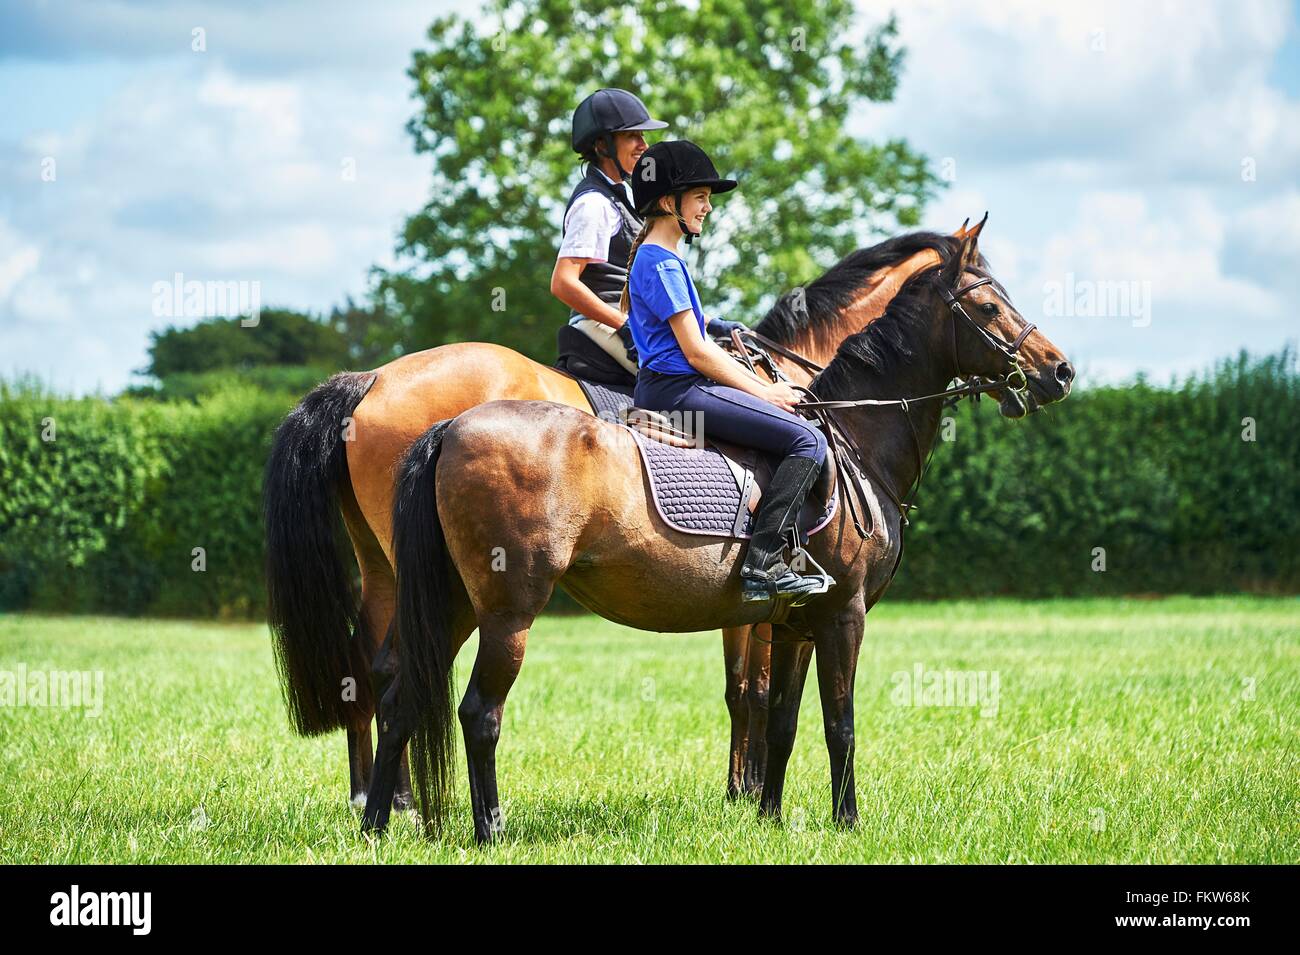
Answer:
(683, 370)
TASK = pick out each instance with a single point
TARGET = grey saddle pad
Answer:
(700, 491)
(607, 403)
(697, 491)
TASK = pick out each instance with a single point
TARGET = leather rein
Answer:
(848, 456)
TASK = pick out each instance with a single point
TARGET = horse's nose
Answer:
(1064, 377)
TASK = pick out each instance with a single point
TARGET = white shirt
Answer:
(591, 222)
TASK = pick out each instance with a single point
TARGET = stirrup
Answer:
(791, 585)
(820, 580)
(796, 588)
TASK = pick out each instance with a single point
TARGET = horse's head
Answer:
(991, 339)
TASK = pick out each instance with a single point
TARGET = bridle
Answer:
(848, 456)
(1009, 350)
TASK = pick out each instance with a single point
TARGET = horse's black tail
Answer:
(423, 623)
(310, 602)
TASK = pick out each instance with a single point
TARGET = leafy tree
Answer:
(281, 337)
(767, 88)
(373, 334)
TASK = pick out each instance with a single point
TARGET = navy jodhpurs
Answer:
(729, 414)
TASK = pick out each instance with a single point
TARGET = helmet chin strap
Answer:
(611, 153)
(681, 222)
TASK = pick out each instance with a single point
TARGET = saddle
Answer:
(582, 358)
(708, 488)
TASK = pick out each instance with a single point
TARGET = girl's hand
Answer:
(782, 395)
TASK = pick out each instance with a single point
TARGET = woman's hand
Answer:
(782, 395)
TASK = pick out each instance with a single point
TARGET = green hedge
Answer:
(1159, 478)
(105, 516)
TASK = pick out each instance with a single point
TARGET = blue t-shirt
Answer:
(658, 288)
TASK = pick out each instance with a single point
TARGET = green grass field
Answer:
(1125, 731)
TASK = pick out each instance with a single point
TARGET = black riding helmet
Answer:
(606, 112)
(669, 169)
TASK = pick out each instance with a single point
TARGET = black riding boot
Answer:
(765, 573)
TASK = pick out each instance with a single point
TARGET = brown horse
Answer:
(564, 494)
(340, 449)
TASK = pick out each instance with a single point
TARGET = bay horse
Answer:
(338, 452)
(564, 495)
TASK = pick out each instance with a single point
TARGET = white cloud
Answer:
(191, 168)
(18, 258)
(1107, 141)
(251, 35)
(1192, 309)
(1164, 87)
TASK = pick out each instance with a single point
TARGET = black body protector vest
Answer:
(607, 278)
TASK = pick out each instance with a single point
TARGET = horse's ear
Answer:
(969, 253)
(961, 230)
(970, 247)
(950, 275)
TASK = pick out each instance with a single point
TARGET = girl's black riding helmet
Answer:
(669, 169)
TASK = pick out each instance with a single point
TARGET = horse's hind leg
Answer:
(393, 736)
(383, 673)
(403, 798)
(360, 750)
(378, 599)
(390, 770)
(360, 763)
(389, 781)
(502, 638)
(790, 659)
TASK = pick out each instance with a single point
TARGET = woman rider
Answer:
(600, 225)
(683, 370)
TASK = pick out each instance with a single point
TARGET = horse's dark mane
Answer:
(880, 349)
(824, 298)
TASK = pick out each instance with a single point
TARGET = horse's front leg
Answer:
(790, 658)
(838, 643)
(735, 651)
(757, 691)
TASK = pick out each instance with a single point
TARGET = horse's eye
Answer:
(989, 308)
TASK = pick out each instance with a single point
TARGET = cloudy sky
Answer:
(1140, 161)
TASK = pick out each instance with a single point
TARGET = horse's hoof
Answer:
(403, 802)
(373, 822)
(359, 802)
